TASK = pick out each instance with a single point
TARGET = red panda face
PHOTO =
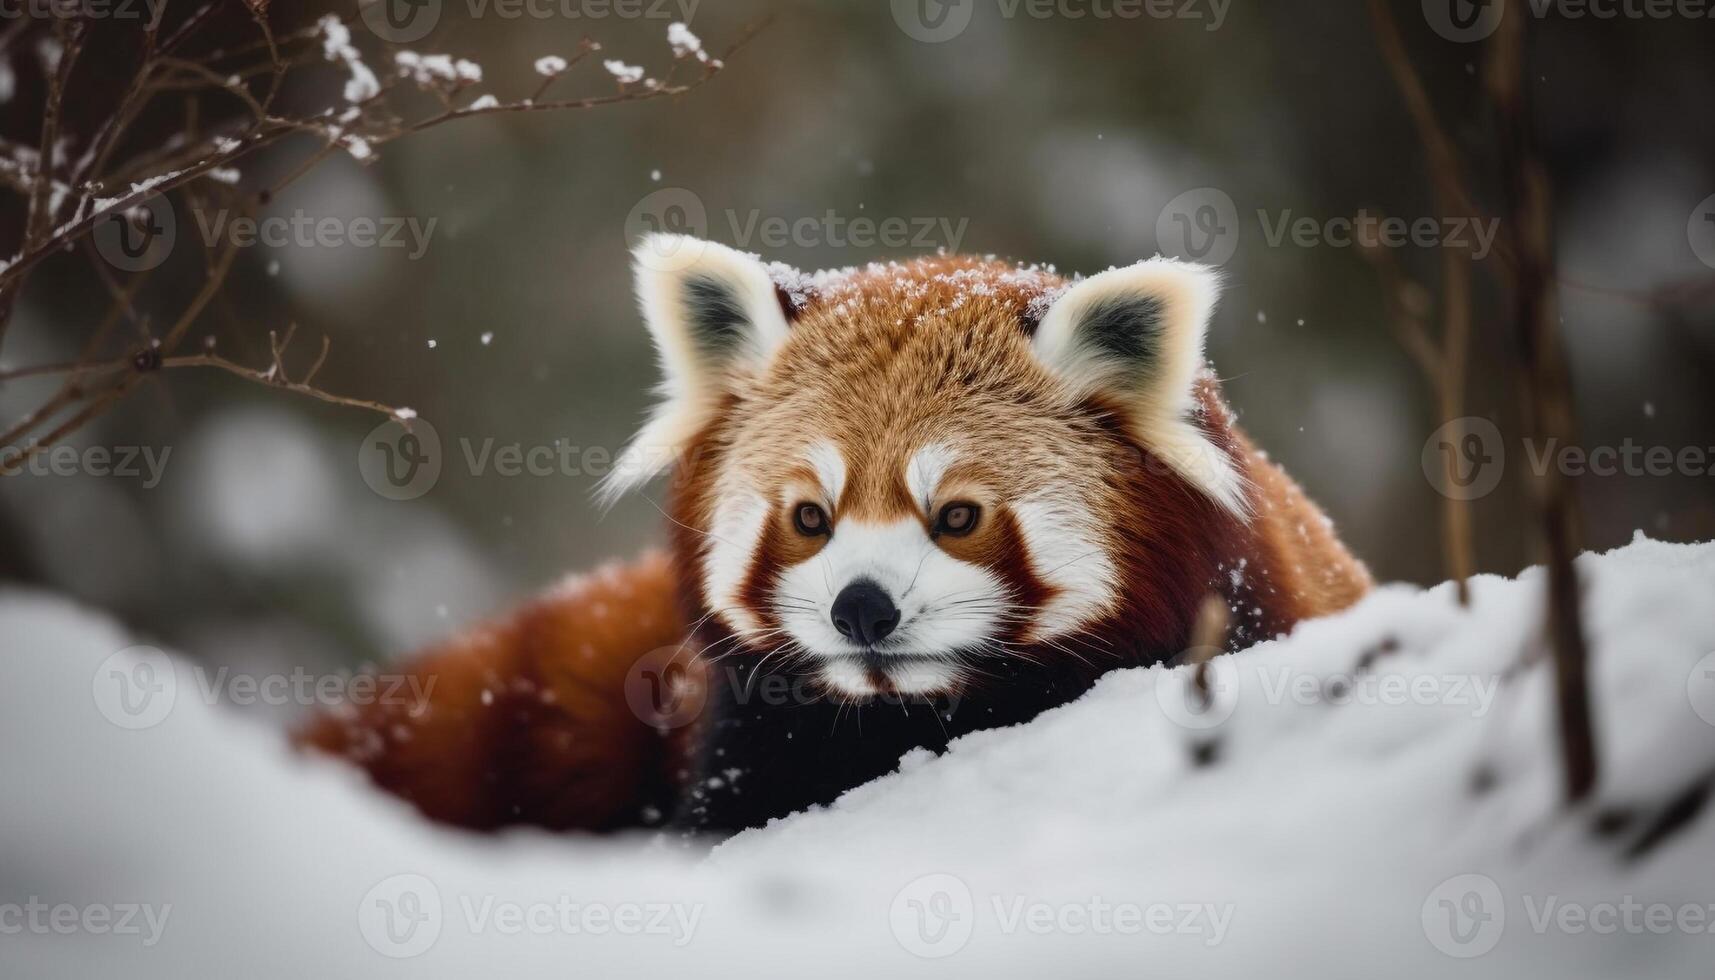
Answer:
(909, 469)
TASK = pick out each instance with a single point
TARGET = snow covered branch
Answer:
(73, 182)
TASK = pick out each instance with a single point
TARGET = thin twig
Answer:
(1443, 363)
(1546, 390)
(96, 190)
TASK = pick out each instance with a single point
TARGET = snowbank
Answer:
(1373, 795)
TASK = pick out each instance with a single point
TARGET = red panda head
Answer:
(894, 473)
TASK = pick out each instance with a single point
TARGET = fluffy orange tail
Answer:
(526, 721)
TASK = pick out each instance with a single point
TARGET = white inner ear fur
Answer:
(693, 375)
(1159, 387)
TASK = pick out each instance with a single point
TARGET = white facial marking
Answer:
(1066, 552)
(923, 472)
(830, 468)
(923, 676)
(946, 606)
(847, 675)
(728, 550)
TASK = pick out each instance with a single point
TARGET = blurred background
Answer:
(982, 127)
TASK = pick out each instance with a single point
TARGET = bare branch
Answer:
(98, 190)
(1443, 363)
(1546, 389)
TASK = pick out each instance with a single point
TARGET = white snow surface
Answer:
(1318, 842)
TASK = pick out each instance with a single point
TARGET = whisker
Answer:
(1074, 561)
(675, 520)
(920, 563)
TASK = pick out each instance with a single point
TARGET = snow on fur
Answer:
(1350, 789)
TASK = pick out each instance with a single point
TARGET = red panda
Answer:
(909, 500)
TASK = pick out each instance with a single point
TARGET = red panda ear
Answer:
(715, 317)
(1136, 335)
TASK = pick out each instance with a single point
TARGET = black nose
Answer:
(864, 612)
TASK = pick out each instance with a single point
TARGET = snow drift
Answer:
(1377, 793)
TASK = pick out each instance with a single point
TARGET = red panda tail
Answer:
(526, 720)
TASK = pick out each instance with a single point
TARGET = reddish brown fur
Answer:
(558, 745)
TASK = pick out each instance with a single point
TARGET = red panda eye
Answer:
(957, 519)
(810, 520)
